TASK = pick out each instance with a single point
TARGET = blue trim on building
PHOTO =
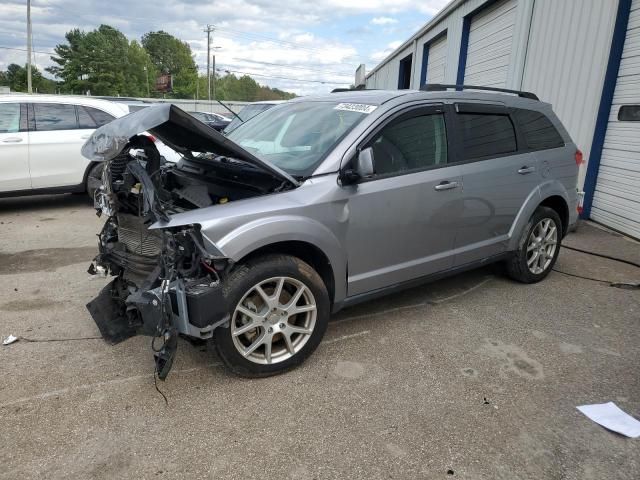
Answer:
(425, 56)
(425, 62)
(401, 72)
(608, 90)
(464, 43)
(464, 47)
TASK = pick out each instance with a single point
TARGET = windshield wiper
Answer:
(232, 112)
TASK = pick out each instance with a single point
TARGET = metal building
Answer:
(583, 56)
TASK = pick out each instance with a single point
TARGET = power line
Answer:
(344, 74)
(26, 50)
(324, 82)
(253, 35)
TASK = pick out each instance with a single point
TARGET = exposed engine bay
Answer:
(166, 282)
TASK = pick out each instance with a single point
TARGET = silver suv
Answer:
(253, 240)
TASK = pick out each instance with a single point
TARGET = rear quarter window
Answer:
(538, 131)
(99, 117)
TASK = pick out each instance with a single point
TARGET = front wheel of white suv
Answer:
(279, 310)
(538, 248)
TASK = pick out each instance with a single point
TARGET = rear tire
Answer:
(278, 313)
(538, 248)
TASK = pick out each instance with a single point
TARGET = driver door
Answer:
(403, 220)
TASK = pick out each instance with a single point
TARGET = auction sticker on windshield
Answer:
(355, 107)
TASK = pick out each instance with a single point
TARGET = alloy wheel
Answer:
(542, 245)
(273, 320)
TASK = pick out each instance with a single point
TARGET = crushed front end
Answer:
(167, 283)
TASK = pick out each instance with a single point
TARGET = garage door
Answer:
(489, 46)
(436, 60)
(616, 201)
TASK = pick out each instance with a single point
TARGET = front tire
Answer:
(279, 311)
(94, 180)
(538, 248)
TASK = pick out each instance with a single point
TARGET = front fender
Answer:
(259, 233)
(545, 190)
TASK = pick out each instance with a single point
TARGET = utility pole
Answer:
(209, 31)
(146, 72)
(214, 76)
(29, 86)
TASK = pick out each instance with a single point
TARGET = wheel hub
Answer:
(274, 320)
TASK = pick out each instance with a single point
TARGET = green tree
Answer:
(245, 88)
(15, 77)
(102, 62)
(138, 61)
(171, 55)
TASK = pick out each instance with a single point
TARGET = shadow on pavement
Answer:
(41, 202)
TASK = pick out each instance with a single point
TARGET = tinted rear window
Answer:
(55, 116)
(485, 135)
(100, 117)
(539, 133)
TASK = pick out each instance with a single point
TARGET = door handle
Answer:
(446, 185)
(524, 170)
(12, 140)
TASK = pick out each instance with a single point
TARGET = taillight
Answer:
(580, 207)
(579, 157)
(153, 139)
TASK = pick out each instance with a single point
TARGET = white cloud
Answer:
(303, 50)
(382, 54)
(383, 21)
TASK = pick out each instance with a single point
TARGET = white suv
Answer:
(40, 141)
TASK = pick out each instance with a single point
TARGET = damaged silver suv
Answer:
(251, 241)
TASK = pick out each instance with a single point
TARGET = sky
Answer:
(301, 47)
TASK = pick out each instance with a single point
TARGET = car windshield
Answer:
(246, 114)
(297, 136)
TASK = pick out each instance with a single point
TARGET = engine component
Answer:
(136, 236)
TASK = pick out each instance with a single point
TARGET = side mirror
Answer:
(363, 167)
(364, 164)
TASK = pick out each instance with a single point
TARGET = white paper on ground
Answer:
(610, 416)
(9, 340)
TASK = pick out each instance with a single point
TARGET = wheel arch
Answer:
(302, 237)
(306, 252)
(560, 206)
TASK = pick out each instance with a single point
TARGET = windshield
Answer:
(247, 113)
(297, 136)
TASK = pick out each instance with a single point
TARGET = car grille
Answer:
(137, 238)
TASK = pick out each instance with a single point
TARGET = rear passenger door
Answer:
(14, 148)
(498, 175)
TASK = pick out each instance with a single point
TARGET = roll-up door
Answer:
(489, 45)
(616, 201)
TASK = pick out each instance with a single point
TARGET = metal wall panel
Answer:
(436, 64)
(490, 45)
(616, 201)
(559, 50)
(566, 61)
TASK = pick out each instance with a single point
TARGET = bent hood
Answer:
(177, 129)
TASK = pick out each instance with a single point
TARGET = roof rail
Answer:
(438, 87)
(356, 89)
